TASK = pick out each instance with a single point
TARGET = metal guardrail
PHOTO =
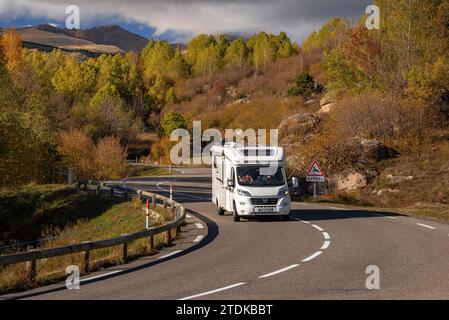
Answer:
(31, 257)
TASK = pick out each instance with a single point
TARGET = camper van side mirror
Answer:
(295, 183)
(231, 183)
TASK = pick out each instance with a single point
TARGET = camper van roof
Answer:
(247, 154)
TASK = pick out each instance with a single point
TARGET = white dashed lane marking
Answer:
(326, 236)
(426, 226)
(279, 271)
(214, 291)
(199, 225)
(198, 239)
(317, 227)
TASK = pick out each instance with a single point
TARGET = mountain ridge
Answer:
(110, 38)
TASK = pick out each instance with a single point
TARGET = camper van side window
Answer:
(215, 162)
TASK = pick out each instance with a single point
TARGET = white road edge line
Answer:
(199, 226)
(213, 291)
(198, 238)
(326, 245)
(426, 226)
(313, 256)
(317, 227)
(170, 254)
(101, 276)
(339, 209)
(279, 271)
(306, 222)
(326, 236)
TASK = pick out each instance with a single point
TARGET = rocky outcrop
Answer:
(327, 104)
(299, 125)
(349, 182)
(360, 168)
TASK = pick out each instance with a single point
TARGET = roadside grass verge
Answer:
(37, 211)
(149, 171)
(120, 218)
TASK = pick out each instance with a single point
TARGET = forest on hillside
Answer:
(390, 85)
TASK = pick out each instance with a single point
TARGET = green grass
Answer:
(34, 212)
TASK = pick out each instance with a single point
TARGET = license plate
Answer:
(265, 210)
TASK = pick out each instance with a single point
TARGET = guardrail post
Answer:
(153, 202)
(152, 244)
(31, 270)
(112, 191)
(125, 193)
(125, 251)
(97, 191)
(86, 260)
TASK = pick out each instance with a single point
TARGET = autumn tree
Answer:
(237, 54)
(172, 121)
(12, 45)
(75, 79)
(208, 62)
(77, 150)
(107, 116)
(110, 159)
(197, 45)
(263, 50)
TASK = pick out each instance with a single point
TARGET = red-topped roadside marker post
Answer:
(147, 223)
(315, 175)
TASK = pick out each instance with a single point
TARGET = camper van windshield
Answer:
(258, 176)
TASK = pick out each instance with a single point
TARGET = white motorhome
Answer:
(250, 181)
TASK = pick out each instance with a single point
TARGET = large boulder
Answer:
(327, 103)
(349, 182)
(330, 97)
(299, 125)
(376, 150)
(327, 108)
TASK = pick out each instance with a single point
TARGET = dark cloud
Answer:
(297, 17)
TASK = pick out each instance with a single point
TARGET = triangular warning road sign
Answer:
(315, 170)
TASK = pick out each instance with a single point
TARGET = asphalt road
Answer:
(323, 253)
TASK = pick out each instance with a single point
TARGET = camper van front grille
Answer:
(264, 201)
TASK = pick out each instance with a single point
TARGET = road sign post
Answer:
(147, 223)
(315, 175)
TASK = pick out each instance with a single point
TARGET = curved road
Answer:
(323, 253)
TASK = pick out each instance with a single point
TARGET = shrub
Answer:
(305, 86)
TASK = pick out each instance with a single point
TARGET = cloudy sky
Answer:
(182, 19)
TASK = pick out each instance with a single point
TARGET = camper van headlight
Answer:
(283, 192)
(243, 193)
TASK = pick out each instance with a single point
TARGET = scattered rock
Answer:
(382, 191)
(398, 179)
(309, 102)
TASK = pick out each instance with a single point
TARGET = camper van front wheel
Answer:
(235, 214)
(220, 210)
